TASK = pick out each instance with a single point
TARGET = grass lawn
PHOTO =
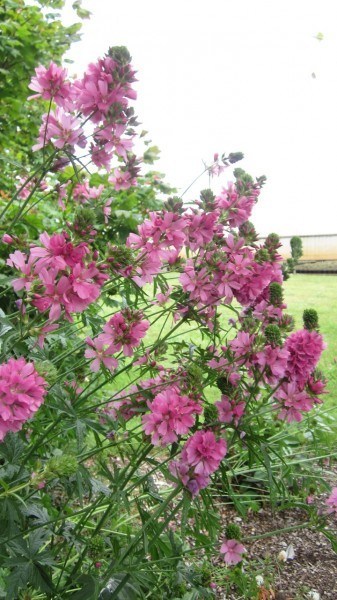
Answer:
(301, 291)
(318, 292)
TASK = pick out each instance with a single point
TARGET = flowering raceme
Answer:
(207, 397)
(102, 96)
(22, 391)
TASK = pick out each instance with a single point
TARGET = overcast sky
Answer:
(229, 75)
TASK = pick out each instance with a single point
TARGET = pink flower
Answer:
(107, 210)
(292, 402)
(230, 410)
(110, 137)
(22, 391)
(200, 457)
(125, 330)
(232, 550)
(98, 351)
(121, 180)
(82, 192)
(200, 230)
(57, 252)
(54, 296)
(241, 346)
(51, 84)
(171, 415)
(332, 501)
(61, 129)
(100, 157)
(204, 452)
(24, 264)
(198, 284)
(305, 349)
(273, 361)
(238, 207)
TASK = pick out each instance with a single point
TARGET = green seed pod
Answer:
(276, 293)
(61, 466)
(310, 319)
(96, 546)
(233, 532)
(273, 335)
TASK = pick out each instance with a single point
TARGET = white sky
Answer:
(234, 75)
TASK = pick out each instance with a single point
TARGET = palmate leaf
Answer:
(28, 564)
(38, 513)
(12, 449)
(28, 573)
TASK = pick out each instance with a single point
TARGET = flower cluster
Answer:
(102, 96)
(171, 415)
(124, 331)
(22, 392)
(58, 275)
(200, 457)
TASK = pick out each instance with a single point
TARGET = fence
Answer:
(315, 247)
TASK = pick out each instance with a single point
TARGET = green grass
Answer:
(301, 291)
(318, 292)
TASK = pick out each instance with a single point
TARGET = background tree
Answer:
(296, 253)
(31, 35)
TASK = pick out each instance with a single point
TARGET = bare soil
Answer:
(314, 566)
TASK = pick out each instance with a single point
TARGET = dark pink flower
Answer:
(50, 84)
(124, 331)
(172, 414)
(22, 391)
(305, 349)
(293, 402)
(204, 452)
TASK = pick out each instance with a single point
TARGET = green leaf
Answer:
(88, 588)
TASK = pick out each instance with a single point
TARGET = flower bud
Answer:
(273, 335)
(96, 546)
(275, 293)
(234, 157)
(310, 319)
(61, 466)
(7, 239)
(248, 231)
(233, 532)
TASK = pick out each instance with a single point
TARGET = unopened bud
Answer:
(310, 319)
